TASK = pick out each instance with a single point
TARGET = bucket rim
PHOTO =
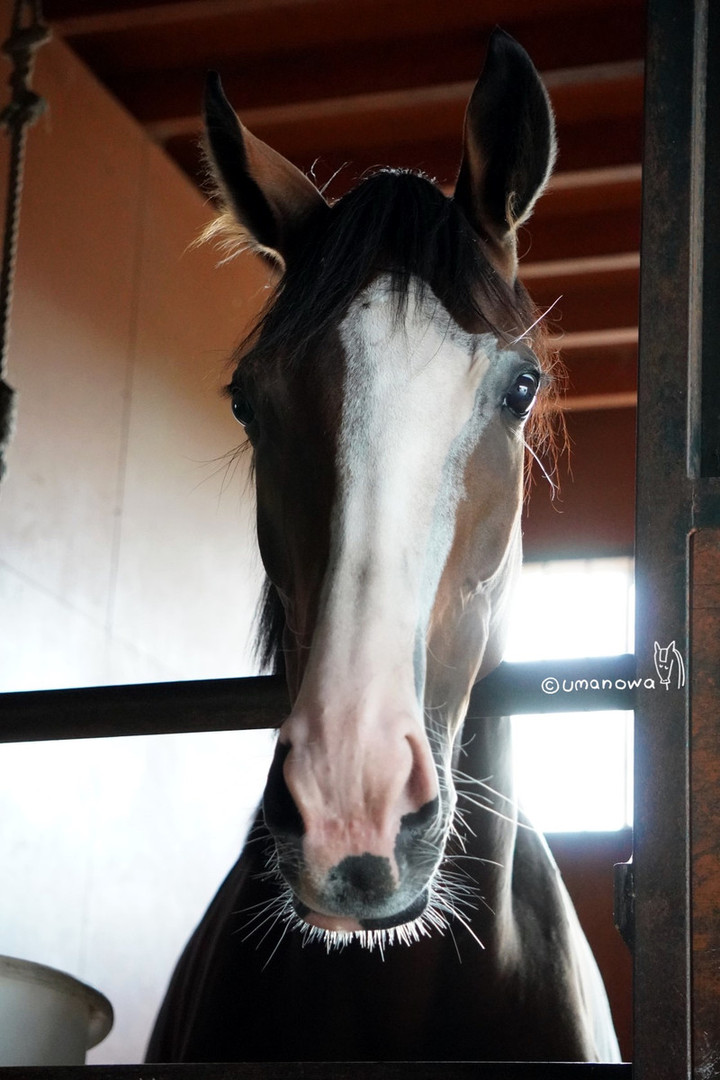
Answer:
(100, 1011)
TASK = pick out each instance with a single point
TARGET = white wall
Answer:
(122, 558)
(111, 849)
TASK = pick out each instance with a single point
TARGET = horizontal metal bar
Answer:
(261, 702)
(143, 709)
(336, 1070)
(552, 686)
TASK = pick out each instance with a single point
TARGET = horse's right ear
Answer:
(509, 149)
(266, 195)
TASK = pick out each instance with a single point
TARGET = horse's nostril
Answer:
(421, 820)
(360, 880)
(279, 808)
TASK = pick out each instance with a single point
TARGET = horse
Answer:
(392, 902)
(667, 661)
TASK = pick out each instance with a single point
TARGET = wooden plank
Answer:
(704, 787)
(103, 17)
(334, 1070)
(329, 118)
(662, 1043)
(262, 25)
(586, 210)
(422, 111)
(600, 228)
(587, 265)
(599, 300)
(268, 58)
(620, 399)
(600, 143)
(704, 464)
(596, 373)
(592, 513)
(74, 17)
(577, 94)
(708, 449)
(311, 74)
(570, 192)
(598, 339)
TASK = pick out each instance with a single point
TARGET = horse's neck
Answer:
(487, 813)
(483, 762)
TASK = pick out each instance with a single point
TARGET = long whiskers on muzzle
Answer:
(452, 896)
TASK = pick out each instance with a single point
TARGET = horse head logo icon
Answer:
(669, 662)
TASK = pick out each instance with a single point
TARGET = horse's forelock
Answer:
(393, 222)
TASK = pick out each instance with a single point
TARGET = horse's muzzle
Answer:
(356, 889)
(334, 923)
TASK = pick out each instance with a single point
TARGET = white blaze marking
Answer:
(417, 396)
(413, 409)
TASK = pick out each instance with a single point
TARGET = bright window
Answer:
(574, 770)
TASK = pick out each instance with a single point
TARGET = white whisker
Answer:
(544, 471)
(538, 320)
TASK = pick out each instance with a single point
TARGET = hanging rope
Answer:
(27, 34)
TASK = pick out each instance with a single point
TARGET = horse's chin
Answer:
(335, 924)
(343, 924)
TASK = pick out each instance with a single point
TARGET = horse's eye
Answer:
(242, 409)
(521, 394)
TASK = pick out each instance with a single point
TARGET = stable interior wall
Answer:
(127, 550)
(122, 557)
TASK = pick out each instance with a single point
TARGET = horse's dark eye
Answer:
(521, 394)
(242, 409)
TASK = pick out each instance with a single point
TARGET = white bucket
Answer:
(47, 1017)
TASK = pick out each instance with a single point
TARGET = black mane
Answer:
(393, 222)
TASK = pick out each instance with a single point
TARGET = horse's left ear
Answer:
(267, 196)
(509, 149)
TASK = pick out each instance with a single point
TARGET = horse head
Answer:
(385, 391)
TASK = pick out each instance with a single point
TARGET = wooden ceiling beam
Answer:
(583, 267)
(583, 403)
(92, 17)
(603, 370)
(592, 510)
(615, 141)
(73, 17)
(598, 228)
(430, 112)
(159, 76)
(363, 131)
(590, 342)
(264, 25)
(618, 187)
(588, 210)
(599, 300)
(571, 193)
(625, 176)
(373, 118)
(163, 92)
(375, 122)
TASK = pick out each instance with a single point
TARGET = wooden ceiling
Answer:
(351, 84)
